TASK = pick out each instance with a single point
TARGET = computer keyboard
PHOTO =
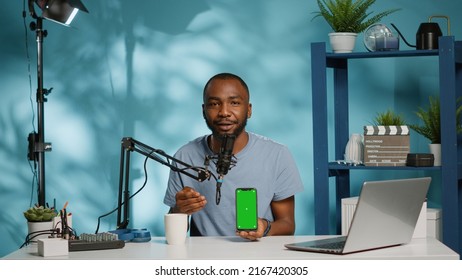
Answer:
(99, 241)
(332, 246)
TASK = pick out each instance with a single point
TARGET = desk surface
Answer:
(235, 248)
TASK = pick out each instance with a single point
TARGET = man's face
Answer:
(226, 107)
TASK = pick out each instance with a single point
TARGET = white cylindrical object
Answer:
(435, 149)
(39, 230)
(176, 228)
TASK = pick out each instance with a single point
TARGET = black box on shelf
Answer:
(420, 160)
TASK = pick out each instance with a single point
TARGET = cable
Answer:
(33, 168)
(35, 234)
(130, 197)
(28, 65)
(151, 153)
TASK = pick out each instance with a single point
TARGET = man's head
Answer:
(226, 105)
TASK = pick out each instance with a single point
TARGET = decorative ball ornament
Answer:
(378, 37)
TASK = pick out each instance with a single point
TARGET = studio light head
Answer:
(59, 11)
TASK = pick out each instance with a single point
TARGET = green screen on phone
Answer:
(246, 209)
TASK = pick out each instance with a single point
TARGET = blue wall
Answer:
(136, 68)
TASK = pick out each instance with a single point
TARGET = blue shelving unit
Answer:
(450, 79)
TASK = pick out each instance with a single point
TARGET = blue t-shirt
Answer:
(263, 164)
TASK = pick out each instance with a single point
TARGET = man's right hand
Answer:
(189, 201)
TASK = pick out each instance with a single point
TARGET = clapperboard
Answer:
(386, 130)
(386, 145)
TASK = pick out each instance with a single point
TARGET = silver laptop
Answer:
(386, 215)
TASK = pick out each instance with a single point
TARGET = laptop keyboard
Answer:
(331, 246)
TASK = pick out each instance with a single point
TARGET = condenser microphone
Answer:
(225, 161)
(225, 155)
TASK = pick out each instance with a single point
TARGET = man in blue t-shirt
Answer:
(260, 163)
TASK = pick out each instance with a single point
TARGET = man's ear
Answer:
(203, 111)
(249, 112)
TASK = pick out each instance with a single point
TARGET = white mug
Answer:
(176, 228)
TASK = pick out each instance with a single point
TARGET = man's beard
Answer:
(219, 135)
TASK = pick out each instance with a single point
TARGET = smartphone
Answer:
(246, 209)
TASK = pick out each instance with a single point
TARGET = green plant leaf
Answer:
(388, 118)
(349, 16)
(39, 214)
(430, 117)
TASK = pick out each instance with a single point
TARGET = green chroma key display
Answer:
(246, 209)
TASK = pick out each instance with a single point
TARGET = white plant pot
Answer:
(342, 42)
(35, 227)
(435, 149)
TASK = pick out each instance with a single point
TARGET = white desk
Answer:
(235, 248)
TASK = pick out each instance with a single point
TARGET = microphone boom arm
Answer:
(131, 145)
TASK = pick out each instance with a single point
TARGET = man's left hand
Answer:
(254, 234)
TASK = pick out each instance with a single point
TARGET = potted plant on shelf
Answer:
(431, 128)
(347, 18)
(39, 219)
(389, 118)
(386, 142)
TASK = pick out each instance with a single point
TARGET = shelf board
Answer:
(382, 54)
(337, 166)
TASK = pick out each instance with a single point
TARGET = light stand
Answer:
(60, 11)
(37, 145)
(129, 145)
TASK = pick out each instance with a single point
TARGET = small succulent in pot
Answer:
(40, 214)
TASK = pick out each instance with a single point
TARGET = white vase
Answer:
(342, 42)
(435, 149)
(38, 230)
(354, 149)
